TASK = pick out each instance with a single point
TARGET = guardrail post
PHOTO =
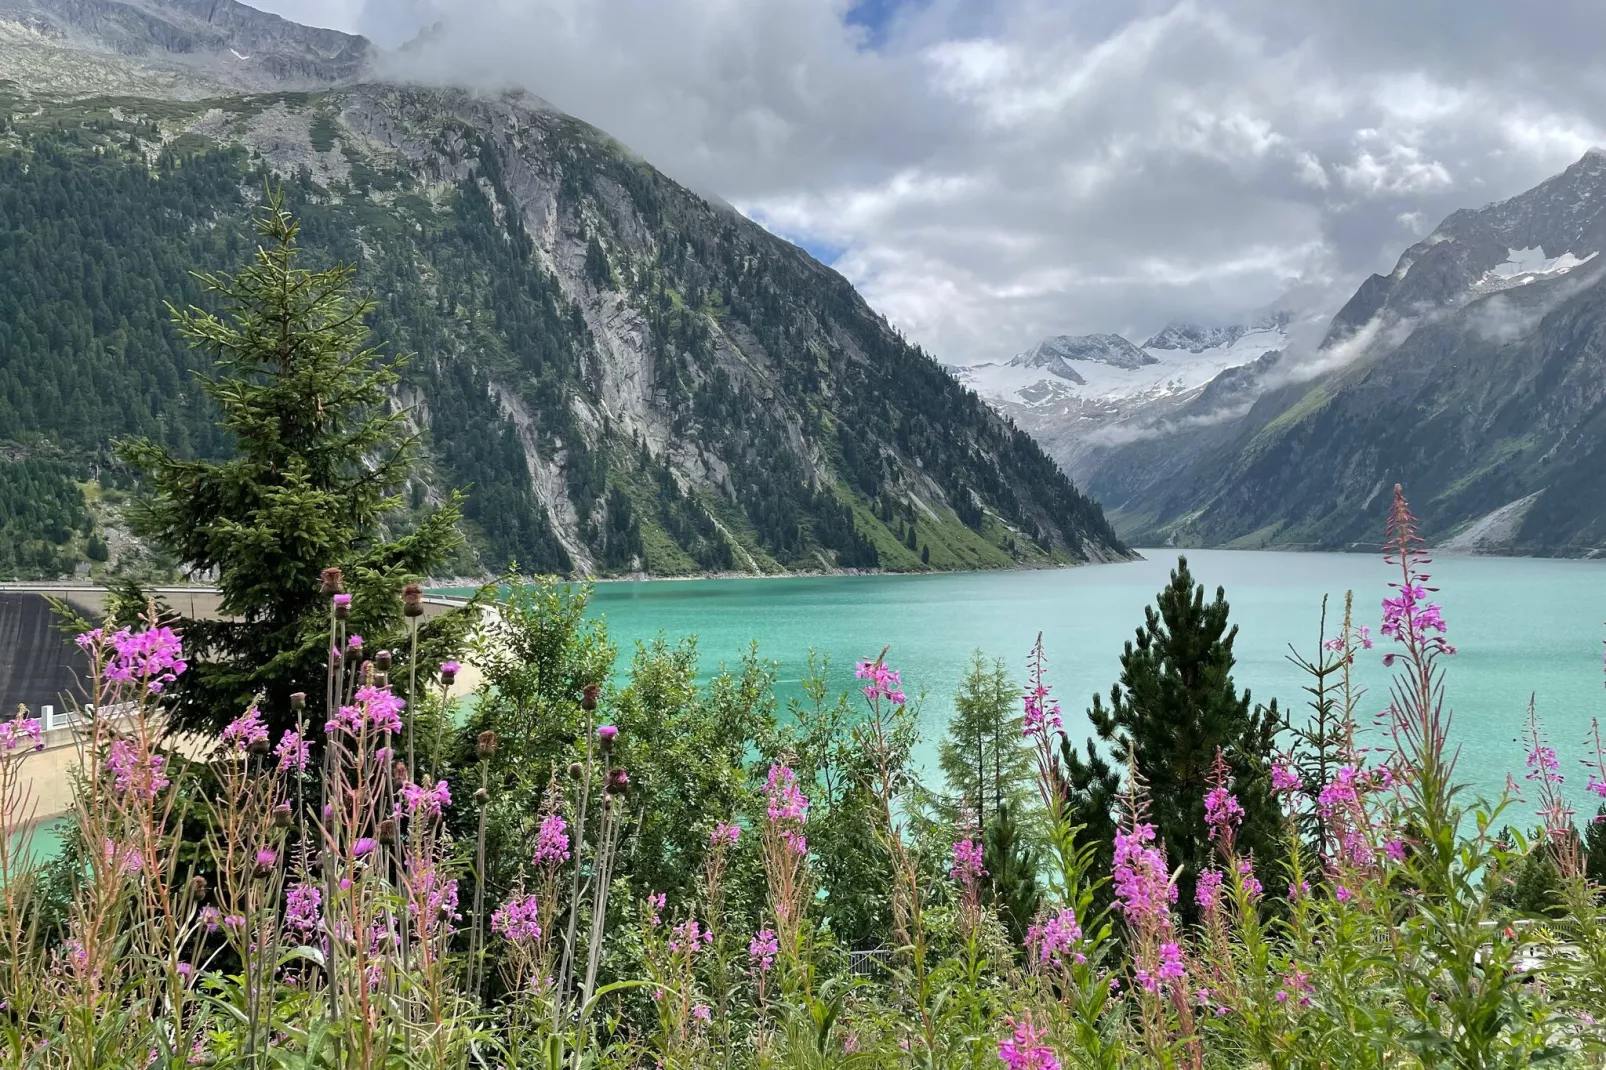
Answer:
(48, 715)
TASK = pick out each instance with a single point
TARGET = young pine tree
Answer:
(1175, 704)
(985, 760)
(320, 454)
(1012, 865)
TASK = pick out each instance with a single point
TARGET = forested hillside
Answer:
(626, 377)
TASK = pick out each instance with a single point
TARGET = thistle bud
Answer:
(333, 581)
(258, 746)
(382, 661)
(487, 744)
(480, 795)
(576, 770)
(281, 815)
(298, 700)
(387, 830)
(412, 600)
(588, 697)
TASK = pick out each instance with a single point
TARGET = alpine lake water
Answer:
(1521, 626)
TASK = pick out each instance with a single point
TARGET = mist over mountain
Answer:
(1474, 373)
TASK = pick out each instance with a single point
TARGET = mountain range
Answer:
(1473, 373)
(630, 378)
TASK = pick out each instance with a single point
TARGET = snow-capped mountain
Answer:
(1087, 379)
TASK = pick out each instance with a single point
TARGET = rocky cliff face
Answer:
(632, 378)
(183, 48)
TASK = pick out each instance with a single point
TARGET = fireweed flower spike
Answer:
(884, 682)
(552, 844)
(1025, 1050)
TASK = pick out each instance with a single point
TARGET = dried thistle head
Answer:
(487, 744)
(333, 581)
(588, 697)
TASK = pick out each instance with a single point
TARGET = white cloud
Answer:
(995, 171)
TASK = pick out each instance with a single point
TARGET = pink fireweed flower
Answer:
(1025, 1050)
(1171, 962)
(303, 908)
(210, 917)
(724, 834)
(1042, 714)
(1054, 937)
(762, 949)
(1395, 850)
(688, 937)
(1142, 880)
(293, 751)
(1284, 779)
(655, 904)
(1296, 983)
(702, 1014)
(1246, 870)
(967, 865)
(433, 901)
(786, 801)
(552, 843)
(426, 802)
(24, 732)
(1341, 893)
(373, 707)
(133, 774)
(245, 730)
(1542, 763)
(518, 920)
(883, 683)
(1208, 892)
(1222, 813)
(150, 659)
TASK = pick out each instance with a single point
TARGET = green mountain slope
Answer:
(629, 378)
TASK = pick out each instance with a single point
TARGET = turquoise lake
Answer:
(1521, 626)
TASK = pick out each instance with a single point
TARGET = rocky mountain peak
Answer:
(1109, 349)
(187, 48)
(1541, 233)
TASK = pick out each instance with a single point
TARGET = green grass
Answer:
(1502, 451)
(1311, 403)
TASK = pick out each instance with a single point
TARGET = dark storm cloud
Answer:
(997, 171)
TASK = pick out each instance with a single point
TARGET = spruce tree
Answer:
(320, 453)
(1174, 705)
(1012, 863)
(984, 758)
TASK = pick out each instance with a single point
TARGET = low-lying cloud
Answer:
(992, 173)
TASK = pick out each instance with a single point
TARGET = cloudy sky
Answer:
(989, 172)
